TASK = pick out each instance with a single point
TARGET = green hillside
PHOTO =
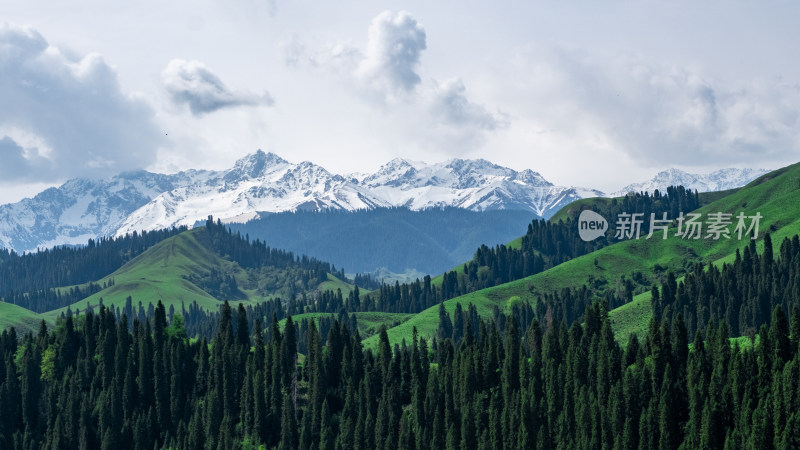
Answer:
(18, 317)
(776, 196)
(171, 270)
(158, 274)
(333, 283)
(369, 322)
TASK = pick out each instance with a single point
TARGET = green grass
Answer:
(22, 319)
(161, 272)
(631, 318)
(778, 200)
(158, 274)
(368, 322)
(516, 244)
(333, 283)
(776, 196)
(427, 321)
(744, 342)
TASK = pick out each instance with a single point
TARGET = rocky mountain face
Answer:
(264, 182)
(82, 209)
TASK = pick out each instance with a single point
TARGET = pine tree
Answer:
(288, 424)
(445, 324)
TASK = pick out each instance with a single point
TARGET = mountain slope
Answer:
(20, 318)
(159, 274)
(775, 195)
(81, 209)
(197, 266)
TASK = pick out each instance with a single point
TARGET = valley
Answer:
(195, 278)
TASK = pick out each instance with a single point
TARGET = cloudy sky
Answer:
(596, 94)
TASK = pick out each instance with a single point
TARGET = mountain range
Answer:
(83, 209)
(719, 180)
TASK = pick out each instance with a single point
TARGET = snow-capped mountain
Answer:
(264, 182)
(478, 185)
(719, 180)
(82, 209)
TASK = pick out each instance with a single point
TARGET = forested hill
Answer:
(545, 245)
(741, 294)
(68, 266)
(207, 265)
(53, 279)
(95, 383)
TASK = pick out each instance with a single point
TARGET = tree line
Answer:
(526, 378)
(93, 383)
(741, 294)
(55, 278)
(545, 245)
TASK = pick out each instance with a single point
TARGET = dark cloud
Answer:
(65, 117)
(20, 164)
(192, 83)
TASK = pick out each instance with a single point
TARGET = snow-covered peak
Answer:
(396, 172)
(81, 209)
(264, 182)
(731, 178)
(307, 175)
(532, 178)
(463, 166)
(719, 180)
(256, 165)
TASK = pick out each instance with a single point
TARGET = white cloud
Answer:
(450, 105)
(192, 83)
(66, 116)
(396, 42)
(662, 115)
(388, 76)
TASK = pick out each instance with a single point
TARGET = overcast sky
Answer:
(595, 94)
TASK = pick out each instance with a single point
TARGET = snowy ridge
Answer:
(81, 209)
(719, 180)
(262, 182)
(265, 182)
